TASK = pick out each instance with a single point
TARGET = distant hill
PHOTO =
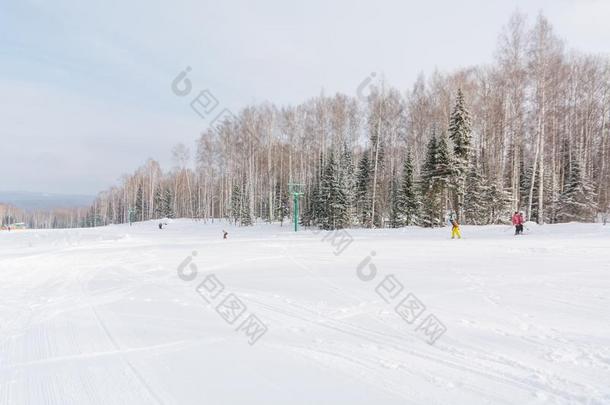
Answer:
(43, 201)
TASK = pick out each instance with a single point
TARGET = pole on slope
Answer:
(296, 190)
(130, 215)
(296, 212)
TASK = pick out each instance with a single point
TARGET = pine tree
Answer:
(324, 211)
(431, 196)
(158, 201)
(524, 183)
(475, 199)
(408, 196)
(245, 217)
(497, 203)
(310, 207)
(525, 186)
(236, 202)
(139, 208)
(168, 203)
(334, 197)
(281, 202)
(444, 167)
(363, 189)
(376, 166)
(460, 134)
(396, 220)
(444, 173)
(348, 180)
(577, 201)
(428, 169)
(314, 207)
(320, 208)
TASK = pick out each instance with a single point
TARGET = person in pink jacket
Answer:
(517, 221)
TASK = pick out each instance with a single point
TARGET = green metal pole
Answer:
(296, 212)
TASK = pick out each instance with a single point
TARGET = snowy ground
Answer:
(101, 316)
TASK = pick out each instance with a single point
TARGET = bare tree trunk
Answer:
(541, 161)
(376, 166)
(532, 182)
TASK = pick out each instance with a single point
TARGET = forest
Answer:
(528, 132)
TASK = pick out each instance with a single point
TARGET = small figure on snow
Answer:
(517, 221)
(225, 234)
(449, 216)
(160, 225)
(455, 229)
(522, 222)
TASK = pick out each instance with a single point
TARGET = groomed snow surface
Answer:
(101, 316)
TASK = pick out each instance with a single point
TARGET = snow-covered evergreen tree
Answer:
(139, 204)
(348, 180)
(363, 189)
(460, 132)
(431, 195)
(526, 181)
(311, 212)
(396, 220)
(245, 217)
(409, 201)
(333, 197)
(577, 201)
(281, 201)
(314, 208)
(474, 198)
(496, 203)
(524, 186)
(168, 203)
(308, 204)
(324, 211)
(158, 202)
(444, 170)
(236, 202)
(92, 219)
(377, 133)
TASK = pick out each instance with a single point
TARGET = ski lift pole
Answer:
(130, 215)
(296, 212)
(296, 190)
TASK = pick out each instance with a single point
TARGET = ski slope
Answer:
(113, 315)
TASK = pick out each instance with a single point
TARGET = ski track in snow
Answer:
(98, 316)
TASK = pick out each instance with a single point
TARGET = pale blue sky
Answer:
(85, 86)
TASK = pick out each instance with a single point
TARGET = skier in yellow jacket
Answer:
(455, 229)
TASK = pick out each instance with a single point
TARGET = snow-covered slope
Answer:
(112, 316)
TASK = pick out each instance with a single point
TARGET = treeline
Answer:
(57, 218)
(529, 133)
